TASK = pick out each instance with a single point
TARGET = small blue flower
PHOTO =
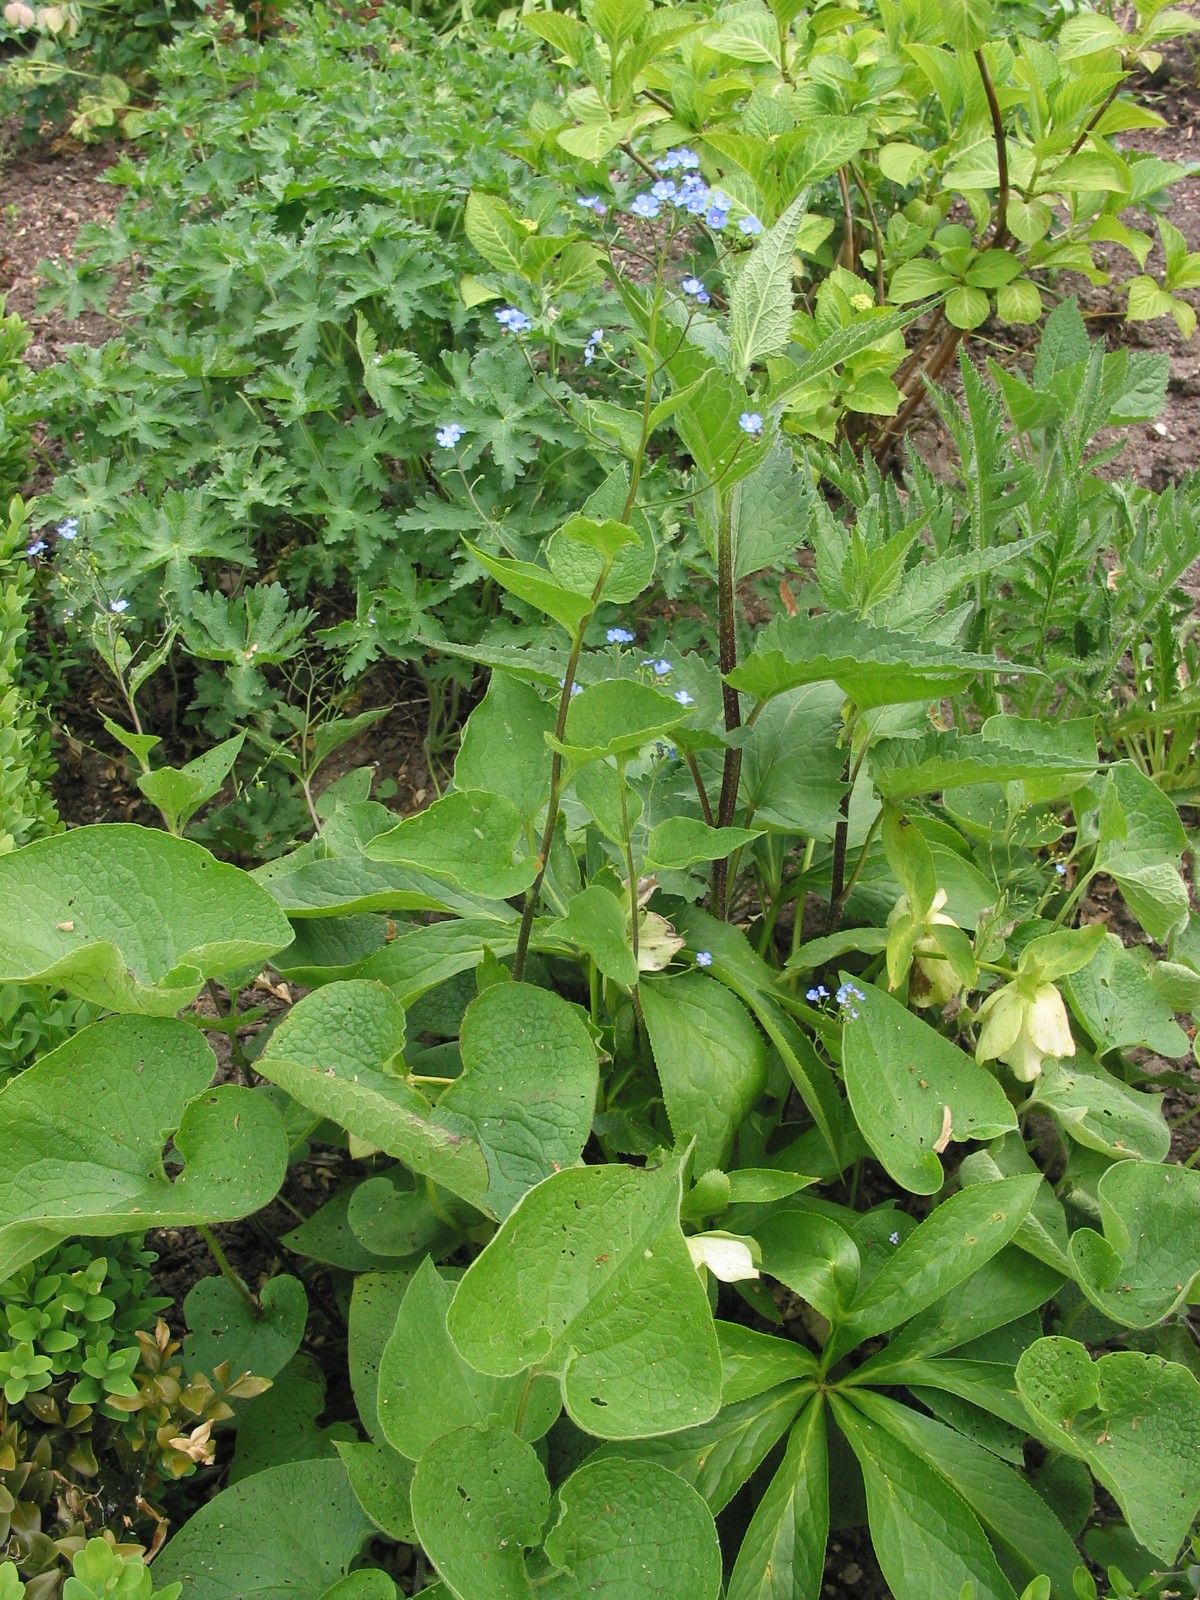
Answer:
(696, 203)
(117, 606)
(845, 997)
(673, 160)
(645, 205)
(751, 226)
(589, 349)
(704, 958)
(893, 1238)
(619, 636)
(659, 668)
(664, 189)
(684, 698)
(36, 548)
(449, 434)
(750, 422)
(692, 286)
(512, 319)
(68, 530)
(1060, 869)
(687, 158)
(716, 218)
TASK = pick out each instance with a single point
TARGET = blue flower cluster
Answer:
(35, 549)
(68, 530)
(846, 997)
(592, 203)
(619, 636)
(689, 193)
(695, 290)
(817, 995)
(589, 349)
(512, 319)
(449, 434)
(659, 668)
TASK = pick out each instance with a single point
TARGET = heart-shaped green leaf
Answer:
(1135, 1420)
(475, 840)
(589, 1278)
(225, 1328)
(1143, 1266)
(100, 1172)
(130, 918)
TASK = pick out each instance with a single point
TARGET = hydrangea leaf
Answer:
(910, 1089)
(1134, 1419)
(1143, 1267)
(710, 1057)
(243, 1542)
(142, 1080)
(130, 918)
(590, 1278)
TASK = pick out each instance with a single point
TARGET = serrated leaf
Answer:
(760, 300)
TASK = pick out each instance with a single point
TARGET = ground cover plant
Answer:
(748, 1128)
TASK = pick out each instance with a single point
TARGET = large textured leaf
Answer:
(527, 1089)
(910, 1089)
(872, 666)
(760, 300)
(791, 763)
(590, 1278)
(1135, 1420)
(475, 839)
(926, 1537)
(937, 761)
(1143, 1267)
(427, 955)
(333, 1053)
(225, 1328)
(1097, 1110)
(711, 1061)
(426, 1389)
(783, 1551)
(1116, 1000)
(130, 918)
(503, 748)
(1140, 845)
(288, 1533)
(82, 1133)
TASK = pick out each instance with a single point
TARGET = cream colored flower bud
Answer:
(18, 15)
(726, 1257)
(1023, 1029)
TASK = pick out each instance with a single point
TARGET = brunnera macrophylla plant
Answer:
(946, 158)
(753, 1123)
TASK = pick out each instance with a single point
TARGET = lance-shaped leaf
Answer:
(527, 1089)
(926, 1537)
(953, 1241)
(333, 1053)
(590, 1278)
(474, 839)
(130, 918)
(244, 1541)
(760, 301)
(1135, 1420)
(82, 1132)
(537, 587)
(426, 1389)
(936, 761)
(711, 1060)
(1143, 1266)
(783, 1552)
(912, 1091)
(872, 666)
(1014, 1515)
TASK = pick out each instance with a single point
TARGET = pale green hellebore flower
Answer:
(726, 1257)
(1023, 1027)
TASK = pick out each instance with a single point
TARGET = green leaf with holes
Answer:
(98, 1171)
(1134, 1419)
(1142, 1267)
(590, 1278)
(130, 918)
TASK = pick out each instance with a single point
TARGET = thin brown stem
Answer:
(847, 252)
(705, 808)
(876, 234)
